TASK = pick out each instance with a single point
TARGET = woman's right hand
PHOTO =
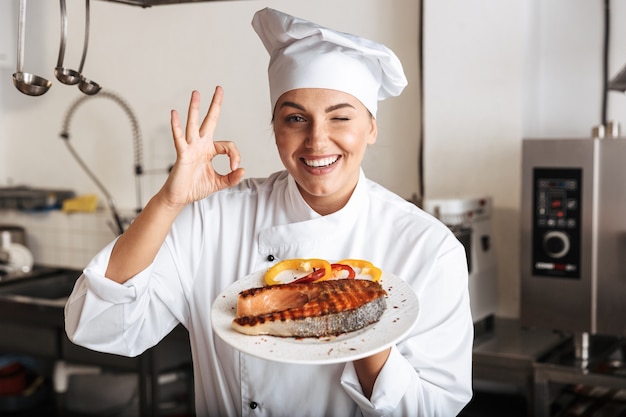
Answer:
(193, 176)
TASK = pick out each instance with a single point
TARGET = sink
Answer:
(51, 289)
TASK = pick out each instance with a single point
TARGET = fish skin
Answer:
(335, 307)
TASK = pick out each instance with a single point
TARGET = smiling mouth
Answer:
(321, 162)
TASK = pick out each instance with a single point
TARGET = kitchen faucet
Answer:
(137, 146)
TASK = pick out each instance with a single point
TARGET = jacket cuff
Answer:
(108, 289)
(389, 388)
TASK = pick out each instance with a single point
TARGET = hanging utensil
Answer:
(87, 86)
(65, 75)
(28, 84)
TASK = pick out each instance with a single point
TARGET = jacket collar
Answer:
(306, 227)
(303, 212)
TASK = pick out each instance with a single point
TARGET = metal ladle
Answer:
(28, 84)
(87, 86)
(65, 75)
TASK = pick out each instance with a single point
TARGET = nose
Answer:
(317, 136)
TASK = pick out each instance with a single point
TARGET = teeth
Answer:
(318, 163)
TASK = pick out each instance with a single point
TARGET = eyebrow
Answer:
(328, 109)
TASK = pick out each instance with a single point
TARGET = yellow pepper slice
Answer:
(363, 268)
(301, 265)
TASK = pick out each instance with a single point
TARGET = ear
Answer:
(373, 132)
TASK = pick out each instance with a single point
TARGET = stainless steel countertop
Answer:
(509, 340)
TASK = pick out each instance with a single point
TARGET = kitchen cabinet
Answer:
(32, 323)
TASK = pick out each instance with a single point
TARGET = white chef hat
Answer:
(304, 54)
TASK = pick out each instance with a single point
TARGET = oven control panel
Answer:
(556, 222)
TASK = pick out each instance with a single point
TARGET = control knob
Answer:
(556, 244)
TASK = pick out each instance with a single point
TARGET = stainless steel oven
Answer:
(573, 246)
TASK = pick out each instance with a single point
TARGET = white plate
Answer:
(395, 323)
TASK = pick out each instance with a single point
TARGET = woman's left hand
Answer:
(368, 369)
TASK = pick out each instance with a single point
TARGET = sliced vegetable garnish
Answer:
(342, 271)
(313, 266)
(320, 270)
(316, 275)
(363, 267)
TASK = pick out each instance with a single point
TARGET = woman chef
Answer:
(203, 231)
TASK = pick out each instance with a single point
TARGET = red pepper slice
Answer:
(338, 271)
(302, 265)
(312, 277)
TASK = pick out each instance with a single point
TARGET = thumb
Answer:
(234, 177)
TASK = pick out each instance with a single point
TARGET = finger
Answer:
(192, 116)
(177, 131)
(229, 149)
(210, 120)
(231, 179)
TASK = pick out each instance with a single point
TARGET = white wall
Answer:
(472, 116)
(154, 58)
(496, 72)
(563, 83)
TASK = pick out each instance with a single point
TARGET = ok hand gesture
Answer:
(193, 176)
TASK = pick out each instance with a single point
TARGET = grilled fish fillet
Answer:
(315, 309)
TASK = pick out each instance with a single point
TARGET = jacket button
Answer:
(253, 405)
(270, 258)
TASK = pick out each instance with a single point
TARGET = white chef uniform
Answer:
(231, 234)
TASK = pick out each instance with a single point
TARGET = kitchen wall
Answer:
(494, 72)
(61, 239)
(154, 58)
(473, 83)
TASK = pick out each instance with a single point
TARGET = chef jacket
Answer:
(250, 227)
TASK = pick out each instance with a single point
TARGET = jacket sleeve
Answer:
(124, 319)
(429, 373)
